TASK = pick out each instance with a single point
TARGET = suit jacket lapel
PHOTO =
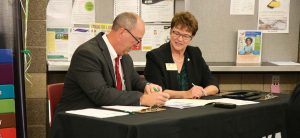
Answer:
(106, 55)
(125, 73)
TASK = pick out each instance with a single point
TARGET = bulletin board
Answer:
(217, 34)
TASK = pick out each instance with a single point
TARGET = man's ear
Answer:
(121, 31)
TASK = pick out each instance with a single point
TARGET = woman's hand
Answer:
(195, 92)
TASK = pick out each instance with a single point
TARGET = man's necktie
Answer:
(117, 72)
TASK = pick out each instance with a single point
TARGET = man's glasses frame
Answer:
(138, 40)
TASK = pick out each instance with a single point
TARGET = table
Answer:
(248, 121)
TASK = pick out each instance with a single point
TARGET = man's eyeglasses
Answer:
(138, 40)
(185, 37)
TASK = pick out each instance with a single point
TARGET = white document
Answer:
(273, 16)
(126, 6)
(98, 113)
(77, 37)
(157, 11)
(289, 63)
(234, 101)
(155, 35)
(186, 103)
(130, 109)
(83, 12)
(242, 7)
(59, 13)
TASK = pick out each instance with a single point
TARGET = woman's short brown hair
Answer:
(185, 20)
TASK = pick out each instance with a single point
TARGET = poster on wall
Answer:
(273, 16)
(126, 6)
(57, 43)
(100, 27)
(249, 47)
(77, 37)
(59, 13)
(157, 10)
(62, 42)
(83, 12)
(242, 7)
(155, 35)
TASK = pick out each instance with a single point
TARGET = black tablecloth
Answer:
(248, 121)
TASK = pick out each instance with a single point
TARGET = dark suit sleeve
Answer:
(153, 70)
(207, 77)
(89, 71)
(136, 82)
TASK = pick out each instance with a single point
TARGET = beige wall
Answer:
(257, 81)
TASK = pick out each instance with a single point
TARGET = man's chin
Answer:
(126, 52)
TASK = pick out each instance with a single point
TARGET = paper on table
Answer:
(235, 101)
(98, 113)
(126, 108)
(186, 103)
(285, 63)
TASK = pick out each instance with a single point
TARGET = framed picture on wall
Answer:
(249, 47)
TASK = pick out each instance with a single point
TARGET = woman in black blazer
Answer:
(179, 68)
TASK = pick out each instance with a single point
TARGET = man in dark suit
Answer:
(102, 73)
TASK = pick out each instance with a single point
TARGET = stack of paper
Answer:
(188, 103)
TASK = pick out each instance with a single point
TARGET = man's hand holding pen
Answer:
(152, 88)
(153, 95)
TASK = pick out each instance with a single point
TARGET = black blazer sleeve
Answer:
(199, 65)
(132, 79)
(155, 70)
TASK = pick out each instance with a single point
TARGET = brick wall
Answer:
(36, 93)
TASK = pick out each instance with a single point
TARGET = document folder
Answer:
(244, 95)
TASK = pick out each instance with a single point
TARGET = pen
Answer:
(155, 107)
(195, 97)
(155, 89)
(119, 110)
(203, 91)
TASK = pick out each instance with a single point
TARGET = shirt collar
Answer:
(112, 51)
